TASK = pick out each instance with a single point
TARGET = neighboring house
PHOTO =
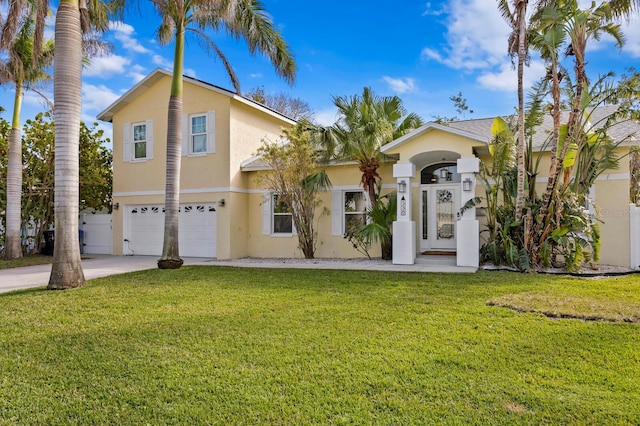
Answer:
(225, 214)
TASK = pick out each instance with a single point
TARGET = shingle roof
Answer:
(627, 131)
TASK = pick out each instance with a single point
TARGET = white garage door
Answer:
(145, 226)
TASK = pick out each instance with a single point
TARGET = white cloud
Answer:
(429, 10)
(106, 66)
(124, 34)
(162, 62)
(631, 29)
(190, 72)
(137, 73)
(97, 98)
(326, 117)
(255, 75)
(399, 85)
(476, 36)
(35, 100)
(506, 79)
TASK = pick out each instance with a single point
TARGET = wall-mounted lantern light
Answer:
(221, 202)
(402, 186)
(466, 184)
(116, 206)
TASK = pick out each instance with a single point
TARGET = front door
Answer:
(438, 208)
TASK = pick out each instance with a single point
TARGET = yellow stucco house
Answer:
(224, 214)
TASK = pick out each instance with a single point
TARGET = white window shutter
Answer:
(126, 142)
(266, 214)
(336, 213)
(185, 135)
(211, 132)
(149, 139)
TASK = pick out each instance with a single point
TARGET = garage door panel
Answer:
(197, 234)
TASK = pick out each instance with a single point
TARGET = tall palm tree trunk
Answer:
(170, 249)
(66, 271)
(13, 247)
(521, 8)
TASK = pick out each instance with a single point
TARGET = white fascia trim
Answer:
(186, 191)
(246, 167)
(427, 127)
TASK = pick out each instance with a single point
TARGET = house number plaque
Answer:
(403, 206)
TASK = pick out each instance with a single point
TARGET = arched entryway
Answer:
(439, 202)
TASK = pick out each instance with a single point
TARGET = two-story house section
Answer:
(220, 130)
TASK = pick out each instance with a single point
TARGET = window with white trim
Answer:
(277, 219)
(349, 211)
(198, 134)
(138, 141)
(282, 222)
(355, 210)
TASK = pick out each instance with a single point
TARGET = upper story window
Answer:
(137, 141)
(199, 133)
(199, 137)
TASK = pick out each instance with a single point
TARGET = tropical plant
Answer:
(23, 70)
(295, 178)
(244, 19)
(379, 225)
(37, 213)
(365, 123)
(518, 47)
(73, 18)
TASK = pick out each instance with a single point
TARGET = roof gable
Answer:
(431, 126)
(158, 74)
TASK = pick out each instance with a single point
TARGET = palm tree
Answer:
(244, 19)
(365, 124)
(73, 18)
(554, 25)
(22, 69)
(518, 47)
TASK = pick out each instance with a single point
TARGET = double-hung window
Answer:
(276, 217)
(138, 141)
(348, 211)
(354, 210)
(198, 134)
(282, 219)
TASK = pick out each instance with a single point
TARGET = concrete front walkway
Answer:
(96, 266)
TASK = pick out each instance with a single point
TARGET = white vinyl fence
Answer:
(97, 234)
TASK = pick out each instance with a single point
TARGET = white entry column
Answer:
(468, 241)
(404, 229)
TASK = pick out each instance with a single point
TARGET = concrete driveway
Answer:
(94, 266)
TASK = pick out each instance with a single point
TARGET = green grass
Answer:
(25, 261)
(214, 345)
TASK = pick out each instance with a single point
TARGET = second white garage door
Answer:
(145, 225)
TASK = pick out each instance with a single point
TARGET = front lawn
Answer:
(216, 345)
(30, 260)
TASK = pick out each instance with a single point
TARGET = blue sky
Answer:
(423, 52)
